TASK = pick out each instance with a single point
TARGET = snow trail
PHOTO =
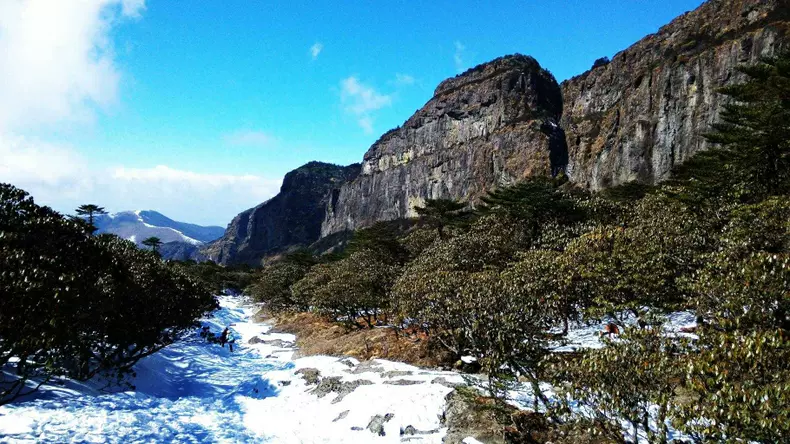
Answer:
(194, 392)
(188, 392)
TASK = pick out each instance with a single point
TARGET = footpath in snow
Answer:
(194, 392)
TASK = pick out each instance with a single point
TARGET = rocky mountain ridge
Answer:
(632, 119)
(481, 129)
(638, 116)
(291, 218)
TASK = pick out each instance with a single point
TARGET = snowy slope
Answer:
(139, 225)
(198, 392)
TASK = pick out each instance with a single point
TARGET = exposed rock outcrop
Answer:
(291, 218)
(636, 117)
(481, 129)
(632, 119)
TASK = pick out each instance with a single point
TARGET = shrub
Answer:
(77, 305)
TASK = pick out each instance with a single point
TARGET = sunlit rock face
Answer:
(646, 111)
(480, 130)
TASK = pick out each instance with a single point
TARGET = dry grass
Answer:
(317, 336)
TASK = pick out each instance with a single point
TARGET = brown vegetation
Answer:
(318, 336)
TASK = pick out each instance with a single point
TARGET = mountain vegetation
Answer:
(504, 285)
(77, 305)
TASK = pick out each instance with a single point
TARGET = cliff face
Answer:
(291, 218)
(638, 116)
(481, 129)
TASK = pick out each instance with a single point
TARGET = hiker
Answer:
(231, 340)
(204, 332)
(223, 338)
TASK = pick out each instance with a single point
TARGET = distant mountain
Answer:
(179, 238)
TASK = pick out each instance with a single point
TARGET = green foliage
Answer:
(78, 305)
(740, 383)
(153, 243)
(91, 211)
(536, 202)
(219, 278)
(754, 132)
(352, 288)
(273, 286)
(643, 263)
(633, 378)
(440, 213)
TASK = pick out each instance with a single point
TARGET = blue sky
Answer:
(197, 109)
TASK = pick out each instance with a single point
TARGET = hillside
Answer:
(180, 239)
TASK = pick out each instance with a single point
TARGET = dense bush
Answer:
(77, 305)
(355, 287)
(273, 286)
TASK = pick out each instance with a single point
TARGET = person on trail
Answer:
(231, 340)
(227, 337)
(223, 338)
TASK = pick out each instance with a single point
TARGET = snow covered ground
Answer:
(194, 392)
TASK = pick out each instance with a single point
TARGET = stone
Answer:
(342, 415)
(402, 382)
(464, 417)
(396, 373)
(334, 384)
(311, 376)
(441, 380)
(376, 424)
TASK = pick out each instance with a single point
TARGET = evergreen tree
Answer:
(154, 243)
(752, 159)
(440, 213)
(91, 211)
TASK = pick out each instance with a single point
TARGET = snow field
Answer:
(194, 392)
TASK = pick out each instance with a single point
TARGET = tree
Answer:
(440, 213)
(538, 202)
(273, 286)
(91, 211)
(754, 132)
(641, 263)
(78, 305)
(154, 243)
(429, 291)
(634, 379)
(352, 288)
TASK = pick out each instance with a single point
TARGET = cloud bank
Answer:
(57, 68)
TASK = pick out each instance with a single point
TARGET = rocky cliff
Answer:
(481, 129)
(638, 116)
(632, 119)
(291, 218)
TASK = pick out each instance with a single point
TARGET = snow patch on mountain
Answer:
(141, 224)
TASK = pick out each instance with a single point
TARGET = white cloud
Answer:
(316, 49)
(458, 57)
(60, 177)
(361, 100)
(132, 8)
(250, 138)
(404, 79)
(56, 59)
(57, 67)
